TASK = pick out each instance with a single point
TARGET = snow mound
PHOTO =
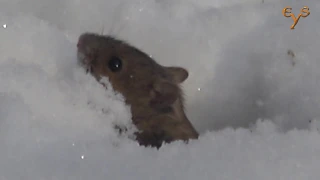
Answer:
(253, 91)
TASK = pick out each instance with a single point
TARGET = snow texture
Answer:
(253, 91)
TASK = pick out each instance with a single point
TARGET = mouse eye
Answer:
(115, 64)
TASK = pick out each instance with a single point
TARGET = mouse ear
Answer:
(163, 94)
(179, 74)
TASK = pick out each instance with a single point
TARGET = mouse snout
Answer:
(87, 43)
(80, 42)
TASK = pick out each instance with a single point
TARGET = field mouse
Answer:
(152, 90)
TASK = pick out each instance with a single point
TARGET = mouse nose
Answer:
(79, 44)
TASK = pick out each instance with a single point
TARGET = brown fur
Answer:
(150, 89)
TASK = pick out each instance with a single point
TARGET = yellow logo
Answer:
(304, 12)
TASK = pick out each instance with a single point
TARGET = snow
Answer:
(253, 91)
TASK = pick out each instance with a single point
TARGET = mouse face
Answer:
(131, 72)
(151, 90)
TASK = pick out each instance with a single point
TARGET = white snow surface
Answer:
(255, 106)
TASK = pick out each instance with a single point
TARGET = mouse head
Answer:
(130, 71)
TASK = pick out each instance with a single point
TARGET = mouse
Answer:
(152, 91)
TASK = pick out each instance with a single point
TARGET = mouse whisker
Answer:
(102, 30)
(116, 16)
